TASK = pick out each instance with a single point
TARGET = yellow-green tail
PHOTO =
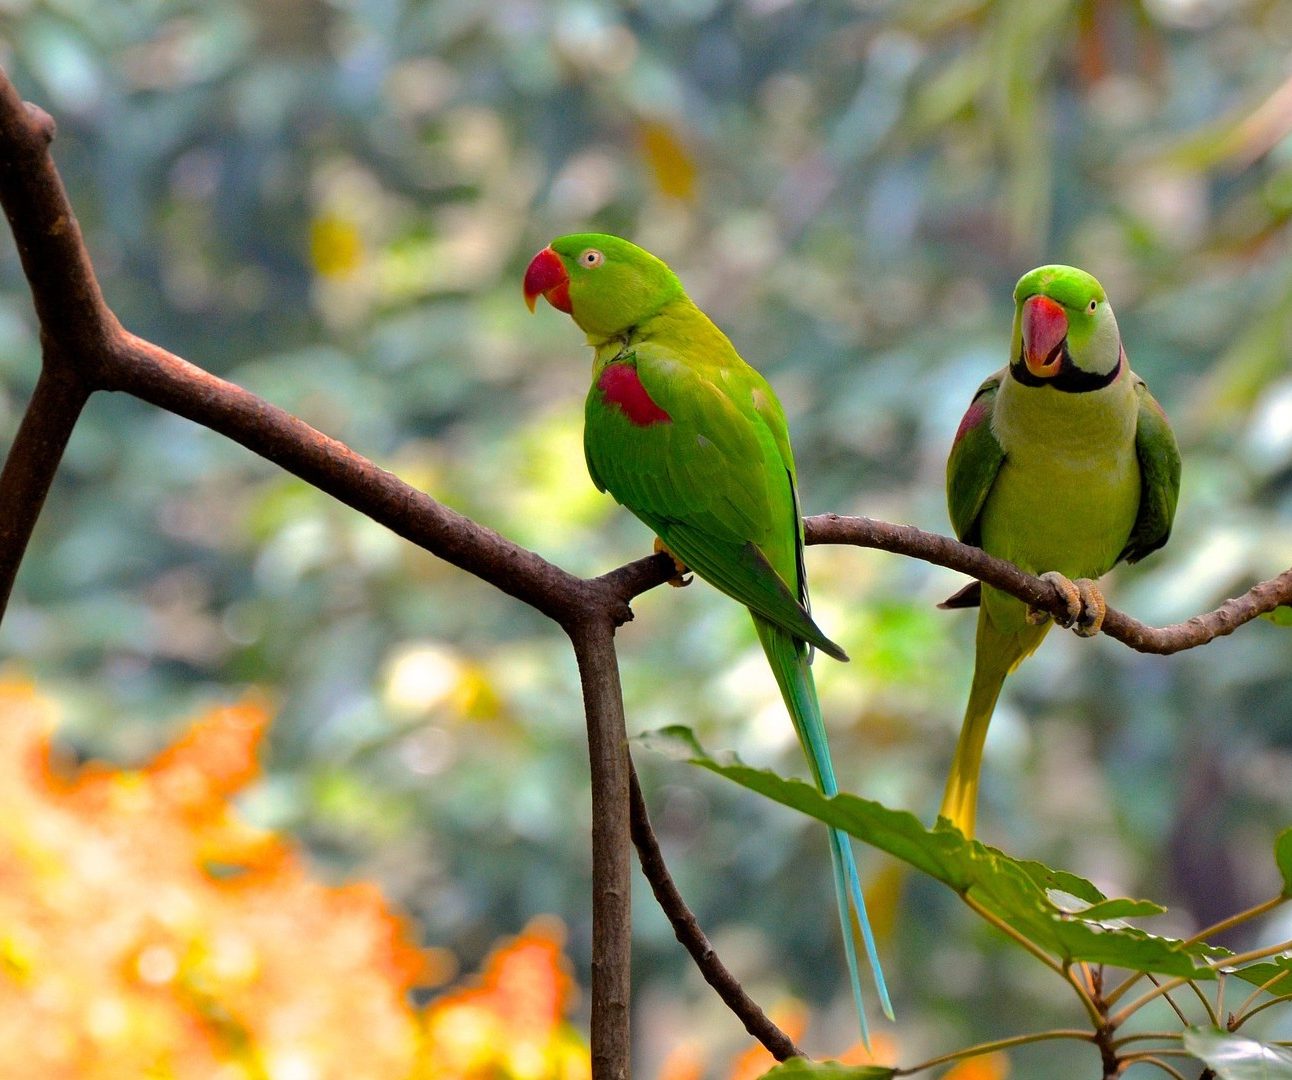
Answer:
(998, 653)
(789, 662)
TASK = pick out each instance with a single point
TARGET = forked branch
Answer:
(85, 349)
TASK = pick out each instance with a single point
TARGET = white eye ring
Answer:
(1094, 304)
(592, 258)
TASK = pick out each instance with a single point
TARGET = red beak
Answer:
(1044, 327)
(547, 277)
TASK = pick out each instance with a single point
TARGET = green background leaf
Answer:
(1259, 974)
(1283, 857)
(1236, 1057)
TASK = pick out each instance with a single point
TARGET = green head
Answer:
(606, 284)
(1065, 333)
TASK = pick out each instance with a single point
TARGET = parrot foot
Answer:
(1086, 605)
(1093, 608)
(1070, 593)
(683, 577)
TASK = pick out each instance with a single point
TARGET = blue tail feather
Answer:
(789, 660)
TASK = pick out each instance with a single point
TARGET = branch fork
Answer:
(85, 349)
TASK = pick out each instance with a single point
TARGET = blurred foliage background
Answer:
(332, 204)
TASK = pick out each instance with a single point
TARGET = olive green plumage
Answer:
(1063, 463)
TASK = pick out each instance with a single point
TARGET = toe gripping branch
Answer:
(1086, 606)
(683, 577)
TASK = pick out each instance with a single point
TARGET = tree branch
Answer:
(603, 706)
(942, 550)
(33, 460)
(84, 348)
(55, 262)
(163, 379)
(688, 932)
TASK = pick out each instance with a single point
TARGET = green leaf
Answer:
(1261, 973)
(1283, 857)
(1236, 1057)
(802, 1069)
(1108, 910)
(1280, 616)
(1062, 913)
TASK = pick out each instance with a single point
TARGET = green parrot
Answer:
(1064, 464)
(691, 439)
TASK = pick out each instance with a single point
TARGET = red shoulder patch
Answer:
(974, 415)
(620, 386)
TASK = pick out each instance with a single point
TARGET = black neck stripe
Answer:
(1070, 379)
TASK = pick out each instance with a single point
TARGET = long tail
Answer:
(789, 661)
(998, 653)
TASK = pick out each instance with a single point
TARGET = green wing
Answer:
(975, 460)
(713, 482)
(972, 466)
(1159, 468)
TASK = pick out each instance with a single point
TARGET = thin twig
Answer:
(1237, 960)
(1061, 970)
(993, 1047)
(1004, 927)
(1176, 1008)
(1259, 1009)
(1153, 1059)
(1239, 1013)
(1141, 1036)
(1220, 927)
(688, 932)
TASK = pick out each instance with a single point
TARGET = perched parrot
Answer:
(1064, 464)
(691, 439)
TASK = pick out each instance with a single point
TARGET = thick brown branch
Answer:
(154, 375)
(603, 706)
(942, 550)
(33, 459)
(688, 932)
(86, 349)
(63, 287)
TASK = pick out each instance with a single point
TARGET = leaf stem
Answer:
(1174, 1007)
(1263, 988)
(1207, 931)
(1027, 943)
(998, 1044)
(1142, 1036)
(1062, 970)
(1153, 1059)
(1236, 960)
(1259, 1009)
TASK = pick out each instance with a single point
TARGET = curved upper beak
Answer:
(1045, 326)
(547, 277)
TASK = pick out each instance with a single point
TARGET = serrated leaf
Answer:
(1283, 858)
(803, 1069)
(1275, 968)
(1119, 908)
(1020, 893)
(1236, 1057)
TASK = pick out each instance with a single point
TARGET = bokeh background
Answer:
(332, 205)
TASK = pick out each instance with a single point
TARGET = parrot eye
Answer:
(1093, 304)
(592, 258)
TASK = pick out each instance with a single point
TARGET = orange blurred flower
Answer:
(147, 931)
(986, 1067)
